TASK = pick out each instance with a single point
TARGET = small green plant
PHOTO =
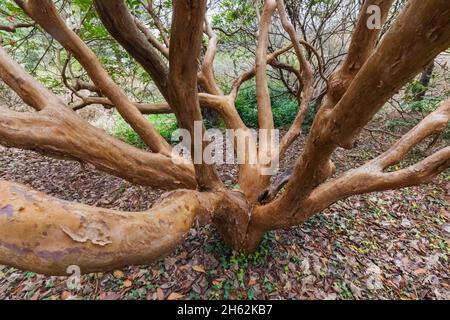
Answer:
(166, 124)
(231, 259)
(194, 296)
(124, 132)
(251, 294)
(345, 291)
(413, 88)
(426, 104)
(395, 124)
(269, 285)
(136, 294)
(227, 287)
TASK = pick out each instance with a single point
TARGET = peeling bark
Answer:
(47, 235)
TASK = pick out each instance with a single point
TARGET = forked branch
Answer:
(47, 235)
(340, 125)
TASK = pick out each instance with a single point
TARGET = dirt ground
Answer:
(391, 245)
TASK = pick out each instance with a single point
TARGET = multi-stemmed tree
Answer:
(47, 235)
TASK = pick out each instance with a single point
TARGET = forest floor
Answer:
(391, 245)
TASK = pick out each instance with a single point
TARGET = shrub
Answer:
(166, 124)
(284, 106)
(426, 105)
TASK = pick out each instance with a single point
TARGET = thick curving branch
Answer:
(373, 177)
(436, 122)
(47, 235)
(206, 75)
(304, 96)
(57, 131)
(362, 45)
(408, 39)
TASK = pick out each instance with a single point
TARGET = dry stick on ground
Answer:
(46, 235)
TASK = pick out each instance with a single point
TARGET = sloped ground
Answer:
(387, 245)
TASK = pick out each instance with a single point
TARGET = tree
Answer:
(46, 235)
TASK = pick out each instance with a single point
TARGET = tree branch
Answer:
(249, 74)
(363, 43)
(265, 117)
(46, 235)
(31, 91)
(13, 28)
(153, 41)
(304, 96)
(185, 43)
(56, 130)
(121, 25)
(158, 23)
(46, 15)
(206, 75)
(407, 40)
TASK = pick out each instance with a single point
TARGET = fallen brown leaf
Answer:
(160, 294)
(420, 271)
(118, 274)
(127, 283)
(175, 296)
(199, 269)
(65, 295)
